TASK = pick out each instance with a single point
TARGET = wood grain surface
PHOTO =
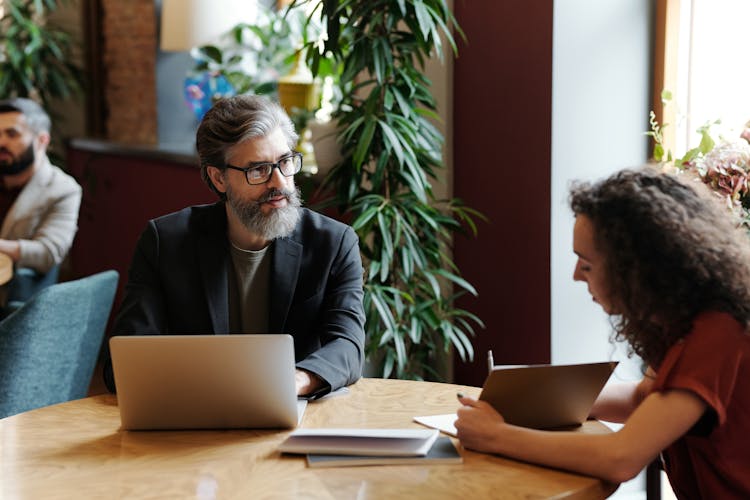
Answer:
(77, 450)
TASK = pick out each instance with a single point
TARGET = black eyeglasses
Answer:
(260, 173)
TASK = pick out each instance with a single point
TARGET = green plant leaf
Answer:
(388, 365)
(212, 53)
(707, 143)
(364, 218)
(433, 283)
(465, 342)
(360, 153)
(658, 152)
(457, 280)
(424, 18)
(448, 333)
(392, 154)
(393, 143)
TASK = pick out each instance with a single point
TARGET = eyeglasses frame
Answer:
(245, 170)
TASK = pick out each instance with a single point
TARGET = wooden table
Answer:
(76, 450)
(6, 268)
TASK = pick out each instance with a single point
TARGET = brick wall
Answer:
(129, 55)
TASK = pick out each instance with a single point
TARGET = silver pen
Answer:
(490, 361)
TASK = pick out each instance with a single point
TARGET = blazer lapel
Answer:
(287, 258)
(213, 254)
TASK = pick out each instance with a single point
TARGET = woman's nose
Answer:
(577, 274)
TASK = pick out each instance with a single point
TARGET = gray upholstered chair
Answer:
(50, 345)
(25, 283)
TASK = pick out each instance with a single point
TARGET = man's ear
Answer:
(42, 140)
(216, 176)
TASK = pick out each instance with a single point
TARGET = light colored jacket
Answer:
(44, 217)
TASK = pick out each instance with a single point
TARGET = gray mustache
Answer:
(273, 193)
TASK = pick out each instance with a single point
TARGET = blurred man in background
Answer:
(38, 201)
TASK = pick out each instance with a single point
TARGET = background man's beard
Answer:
(18, 165)
(279, 223)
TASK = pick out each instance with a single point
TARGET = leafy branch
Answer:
(35, 56)
(392, 153)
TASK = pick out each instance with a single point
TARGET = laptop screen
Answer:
(205, 381)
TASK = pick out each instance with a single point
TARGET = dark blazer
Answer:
(177, 284)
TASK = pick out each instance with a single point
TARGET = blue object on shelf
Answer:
(203, 90)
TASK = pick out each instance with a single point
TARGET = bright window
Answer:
(711, 74)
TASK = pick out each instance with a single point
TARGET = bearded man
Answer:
(38, 201)
(255, 261)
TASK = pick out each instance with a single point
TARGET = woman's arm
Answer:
(618, 401)
(658, 421)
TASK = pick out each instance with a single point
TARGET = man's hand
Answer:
(307, 382)
(12, 248)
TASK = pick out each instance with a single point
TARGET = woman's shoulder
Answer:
(718, 324)
(714, 337)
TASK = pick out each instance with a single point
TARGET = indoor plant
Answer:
(35, 56)
(252, 58)
(390, 154)
(36, 61)
(723, 164)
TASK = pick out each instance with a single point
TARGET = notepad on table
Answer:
(361, 442)
(443, 423)
(442, 451)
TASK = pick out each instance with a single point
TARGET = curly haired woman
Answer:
(665, 261)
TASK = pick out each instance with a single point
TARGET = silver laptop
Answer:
(205, 381)
(546, 396)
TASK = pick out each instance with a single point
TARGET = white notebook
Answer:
(369, 442)
(443, 423)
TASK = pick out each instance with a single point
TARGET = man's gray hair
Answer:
(36, 117)
(234, 120)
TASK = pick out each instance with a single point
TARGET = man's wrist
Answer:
(308, 383)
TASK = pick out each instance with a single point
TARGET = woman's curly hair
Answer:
(671, 251)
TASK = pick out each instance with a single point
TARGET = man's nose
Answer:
(277, 179)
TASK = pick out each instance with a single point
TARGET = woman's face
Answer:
(590, 264)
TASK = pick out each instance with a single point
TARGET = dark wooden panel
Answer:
(122, 190)
(502, 139)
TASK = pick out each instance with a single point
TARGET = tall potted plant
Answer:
(35, 56)
(391, 153)
(36, 60)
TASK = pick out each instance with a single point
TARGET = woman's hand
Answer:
(478, 425)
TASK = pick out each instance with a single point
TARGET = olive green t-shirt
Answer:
(249, 290)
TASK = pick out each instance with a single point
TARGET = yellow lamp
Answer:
(298, 91)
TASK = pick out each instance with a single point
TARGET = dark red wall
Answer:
(121, 192)
(502, 140)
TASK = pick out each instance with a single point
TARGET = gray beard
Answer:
(278, 224)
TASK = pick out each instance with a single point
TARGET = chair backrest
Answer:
(26, 282)
(49, 347)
